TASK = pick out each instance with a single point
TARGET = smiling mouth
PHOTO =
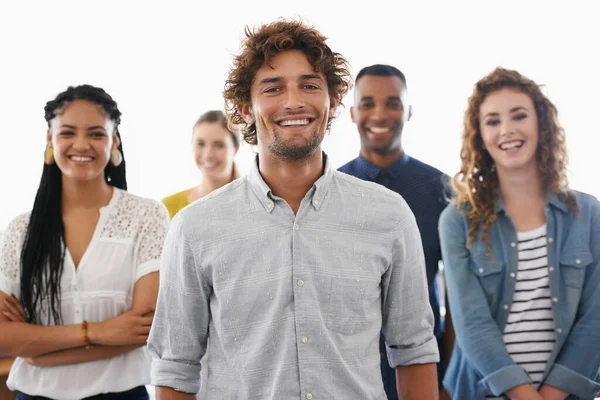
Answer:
(295, 122)
(210, 165)
(378, 130)
(515, 144)
(81, 158)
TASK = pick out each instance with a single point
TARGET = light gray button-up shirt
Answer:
(291, 306)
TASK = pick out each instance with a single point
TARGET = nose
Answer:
(379, 113)
(294, 99)
(506, 128)
(81, 142)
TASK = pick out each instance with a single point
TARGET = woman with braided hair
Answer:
(79, 273)
(522, 254)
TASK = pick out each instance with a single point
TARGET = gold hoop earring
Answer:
(49, 155)
(116, 158)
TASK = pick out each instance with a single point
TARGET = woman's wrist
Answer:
(94, 330)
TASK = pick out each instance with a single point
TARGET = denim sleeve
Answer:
(407, 315)
(179, 333)
(577, 366)
(477, 333)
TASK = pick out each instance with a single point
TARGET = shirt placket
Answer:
(302, 289)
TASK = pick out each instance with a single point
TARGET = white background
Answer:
(165, 64)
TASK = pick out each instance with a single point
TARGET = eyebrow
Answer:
(277, 79)
(89, 129)
(388, 98)
(512, 110)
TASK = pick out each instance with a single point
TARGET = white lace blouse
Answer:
(126, 245)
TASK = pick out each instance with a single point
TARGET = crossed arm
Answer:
(47, 346)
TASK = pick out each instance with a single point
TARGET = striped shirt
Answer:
(530, 334)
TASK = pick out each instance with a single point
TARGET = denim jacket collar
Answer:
(552, 200)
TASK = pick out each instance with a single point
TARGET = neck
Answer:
(85, 194)
(523, 186)
(291, 180)
(381, 160)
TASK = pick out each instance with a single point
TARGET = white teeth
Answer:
(376, 129)
(511, 145)
(294, 122)
(81, 158)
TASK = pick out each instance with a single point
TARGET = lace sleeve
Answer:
(151, 238)
(11, 243)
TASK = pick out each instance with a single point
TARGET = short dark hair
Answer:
(381, 70)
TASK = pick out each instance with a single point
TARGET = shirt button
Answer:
(270, 205)
(300, 282)
(513, 244)
(304, 339)
(551, 269)
(555, 299)
(506, 306)
(481, 270)
(558, 330)
(578, 261)
(316, 202)
(308, 396)
(296, 227)
(550, 240)
(512, 275)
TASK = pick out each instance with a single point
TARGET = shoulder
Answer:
(17, 226)
(453, 216)
(176, 198)
(383, 206)
(429, 174)
(349, 167)
(141, 205)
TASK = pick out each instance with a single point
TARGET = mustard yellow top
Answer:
(176, 202)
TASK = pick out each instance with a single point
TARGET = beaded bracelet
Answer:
(84, 331)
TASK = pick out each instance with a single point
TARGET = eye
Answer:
(272, 90)
(66, 133)
(365, 105)
(200, 144)
(219, 145)
(396, 105)
(492, 122)
(310, 86)
(520, 116)
(97, 134)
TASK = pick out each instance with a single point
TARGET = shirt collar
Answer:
(552, 200)
(371, 171)
(263, 192)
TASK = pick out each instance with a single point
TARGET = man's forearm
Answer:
(167, 393)
(417, 382)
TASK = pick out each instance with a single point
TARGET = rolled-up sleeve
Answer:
(407, 315)
(179, 333)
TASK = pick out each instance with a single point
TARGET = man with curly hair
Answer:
(288, 274)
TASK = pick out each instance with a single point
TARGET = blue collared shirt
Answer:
(425, 190)
(291, 306)
(480, 290)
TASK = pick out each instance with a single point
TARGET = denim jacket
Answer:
(480, 291)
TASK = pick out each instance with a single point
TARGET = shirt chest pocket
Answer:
(573, 266)
(489, 271)
(354, 305)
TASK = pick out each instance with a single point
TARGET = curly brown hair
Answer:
(476, 184)
(260, 46)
